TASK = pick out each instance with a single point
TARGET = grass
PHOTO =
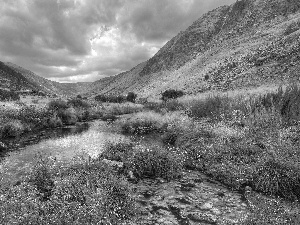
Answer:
(154, 163)
(143, 123)
(143, 162)
(78, 194)
(117, 151)
(18, 117)
(239, 141)
(151, 122)
(278, 179)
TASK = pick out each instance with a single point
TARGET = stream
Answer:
(192, 199)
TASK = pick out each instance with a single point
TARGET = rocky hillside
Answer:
(249, 43)
(17, 78)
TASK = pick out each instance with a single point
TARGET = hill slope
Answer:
(17, 78)
(249, 43)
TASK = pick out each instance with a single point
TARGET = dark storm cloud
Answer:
(88, 39)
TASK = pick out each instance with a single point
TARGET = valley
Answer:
(204, 132)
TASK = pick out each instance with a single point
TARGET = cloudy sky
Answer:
(86, 40)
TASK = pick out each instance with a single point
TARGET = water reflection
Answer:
(31, 138)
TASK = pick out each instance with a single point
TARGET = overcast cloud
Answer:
(86, 40)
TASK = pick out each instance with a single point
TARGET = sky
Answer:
(86, 40)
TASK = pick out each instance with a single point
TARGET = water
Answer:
(22, 151)
(63, 144)
(192, 199)
(19, 143)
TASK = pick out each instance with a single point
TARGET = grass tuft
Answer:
(277, 179)
(154, 163)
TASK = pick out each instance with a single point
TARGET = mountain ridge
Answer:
(246, 44)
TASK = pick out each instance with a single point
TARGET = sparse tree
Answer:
(131, 97)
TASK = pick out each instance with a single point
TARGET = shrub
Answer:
(290, 104)
(110, 98)
(12, 128)
(123, 108)
(31, 114)
(68, 116)
(172, 105)
(78, 103)
(8, 95)
(79, 96)
(170, 137)
(77, 194)
(139, 127)
(57, 105)
(104, 196)
(171, 94)
(131, 97)
(147, 163)
(109, 117)
(42, 179)
(277, 178)
(117, 151)
(54, 122)
(210, 107)
(154, 106)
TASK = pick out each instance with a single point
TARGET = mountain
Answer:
(249, 43)
(17, 78)
(246, 44)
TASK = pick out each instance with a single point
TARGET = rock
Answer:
(2, 146)
(202, 218)
(207, 206)
(115, 164)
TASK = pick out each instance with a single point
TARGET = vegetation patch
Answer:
(143, 123)
(8, 96)
(119, 151)
(154, 163)
(171, 94)
(277, 179)
(75, 194)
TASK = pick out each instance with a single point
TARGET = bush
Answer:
(42, 179)
(210, 107)
(170, 138)
(117, 151)
(8, 96)
(123, 108)
(171, 94)
(109, 118)
(277, 179)
(289, 104)
(110, 98)
(141, 126)
(131, 97)
(154, 106)
(77, 194)
(78, 103)
(147, 163)
(13, 128)
(54, 122)
(57, 105)
(68, 116)
(172, 105)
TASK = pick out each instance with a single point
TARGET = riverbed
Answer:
(192, 199)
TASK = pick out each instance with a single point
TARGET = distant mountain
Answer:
(17, 78)
(249, 43)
